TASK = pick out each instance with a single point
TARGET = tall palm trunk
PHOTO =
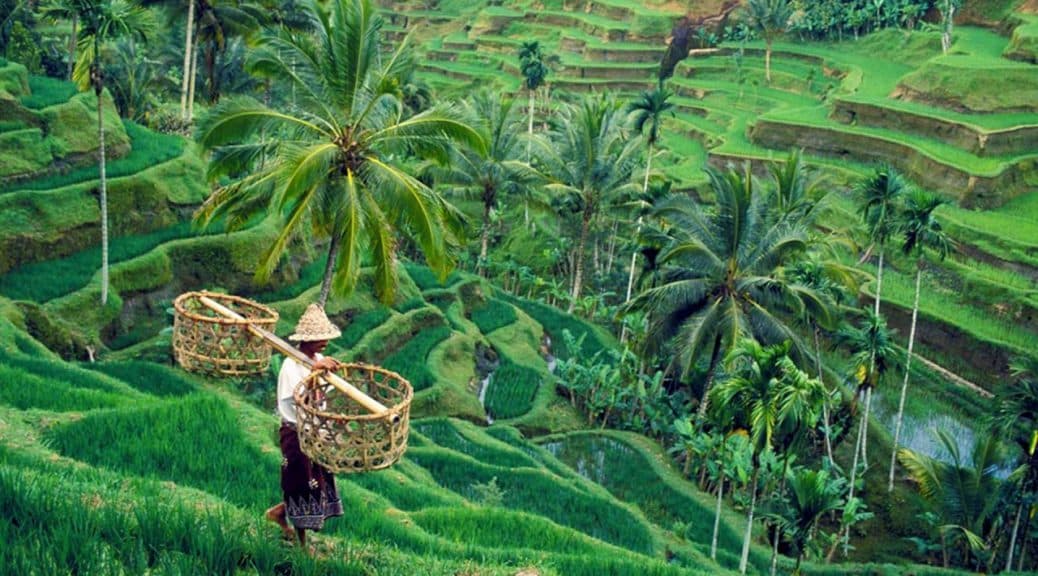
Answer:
(529, 129)
(1012, 538)
(191, 82)
(185, 83)
(748, 535)
(634, 253)
(879, 280)
(72, 41)
(717, 518)
(825, 405)
(908, 366)
(329, 268)
(858, 443)
(484, 240)
(578, 275)
(99, 90)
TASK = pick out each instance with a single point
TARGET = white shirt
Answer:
(291, 374)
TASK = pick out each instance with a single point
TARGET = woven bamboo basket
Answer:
(335, 431)
(204, 341)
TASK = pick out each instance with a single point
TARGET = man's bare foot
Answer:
(276, 514)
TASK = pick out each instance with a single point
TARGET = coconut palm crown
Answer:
(722, 275)
(335, 158)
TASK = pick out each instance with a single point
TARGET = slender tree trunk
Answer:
(748, 535)
(1023, 544)
(1012, 539)
(825, 405)
(191, 82)
(188, 49)
(638, 231)
(579, 264)
(529, 129)
(72, 41)
(104, 182)
(865, 434)
(329, 269)
(612, 249)
(717, 518)
(704, 403)
(767, 62)
(630, 280)
(862, 430)
(904, 385)
(879, 280)
(484, 240)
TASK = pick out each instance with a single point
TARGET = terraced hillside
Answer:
(962, 124)
(163, 473)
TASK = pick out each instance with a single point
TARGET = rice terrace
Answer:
(519, 287)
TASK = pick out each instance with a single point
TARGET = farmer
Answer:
(309, 490)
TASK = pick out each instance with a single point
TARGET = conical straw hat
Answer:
(314, 325)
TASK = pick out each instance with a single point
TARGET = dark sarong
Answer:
(309, 488)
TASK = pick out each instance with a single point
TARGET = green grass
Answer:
(466, 439)
(148, 377)
(196, 441)
(50, 279)
(555, 322)
(148, 149)
(47, 91)
(410, 360)
(493, 314)
(426, 279)
(512, 390)
(24, 390)
(538, 492)
(941, 304)
(360, 325)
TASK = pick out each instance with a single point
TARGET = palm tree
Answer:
(1015, 418)
(535, 72)
(591, 162)
(104, 21)
(879, 193)
(964, 494)
(814, 494)
(873, 354)
(487, 172)
(770, 19)
(217, 22)
(337, 155)
(922, 231)
(828, 278)
(722, 276)
(66, 10)
(646, 111)
(764, 393)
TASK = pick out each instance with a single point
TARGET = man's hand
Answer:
(327, 363)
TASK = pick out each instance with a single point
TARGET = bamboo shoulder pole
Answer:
(369, 403)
